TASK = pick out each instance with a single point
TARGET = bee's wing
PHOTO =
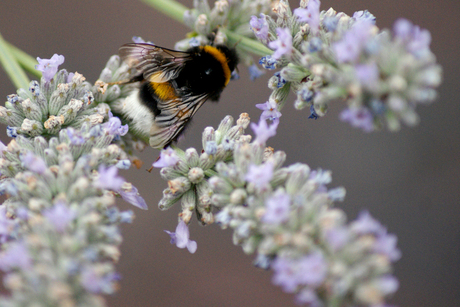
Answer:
(175, 115)
(157, 64)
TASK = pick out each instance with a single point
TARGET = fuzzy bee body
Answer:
(173, 86)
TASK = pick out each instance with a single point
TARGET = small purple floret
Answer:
(49, 67)
(283, 45)
(263, 131)
(168, 158)
(260, 27)
(359, 118)
(181, 238)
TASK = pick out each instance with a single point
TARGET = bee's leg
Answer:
(136, 78)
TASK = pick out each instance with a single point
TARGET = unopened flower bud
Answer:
(179, 185)
(32, 127)
(195, 175)
(31, 110)
(202, 25)
(191, 157)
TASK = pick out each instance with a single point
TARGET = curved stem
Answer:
(247, 44)
(171, 8)
(11, 66)
(26, 61)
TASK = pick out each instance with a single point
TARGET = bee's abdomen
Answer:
(152, 93)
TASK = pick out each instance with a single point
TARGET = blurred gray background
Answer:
(408, 180)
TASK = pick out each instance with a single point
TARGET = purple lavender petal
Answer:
(310, 15)
(15, 256)
(283, 45)
(277, 208)
(109, 179)
(263, 131)
(49, 67)
(260, 175)
(359, 118)
(132, 196)
(59, 216)
(260, 27)
(34, 163)
(168, 157)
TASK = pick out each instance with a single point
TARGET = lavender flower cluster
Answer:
(325, 56)
(187, 172)
(284, 214)
(47, 107)
(107, 93)
(59, 226)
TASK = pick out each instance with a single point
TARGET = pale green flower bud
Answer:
(208, 135)
(202, 25)
(31, 110)
(220, 200)
(32, 127)
(188, 202)
(195, 175)
(168, 199)
(243, 120)
(238, 196)
(182, 166)
(206, 161)
(277, 159)
(191, 157)
(397, 83)
(294, 73)
(234, 132)
(225, 124)
(189, 20)
(58, 98)
(430, 77)
(70, 110)
(9, 117)
(220, 186)
(169, 173)
(207, 218)
(299, 176)
(179, 185)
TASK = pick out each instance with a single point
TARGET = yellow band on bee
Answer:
(164, 91)
(222, 59)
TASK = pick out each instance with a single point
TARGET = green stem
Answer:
(247, 44)
(26, 61)
(176, 11)
(11, 66)
(171, 8)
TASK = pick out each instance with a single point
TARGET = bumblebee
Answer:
(173, 86)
